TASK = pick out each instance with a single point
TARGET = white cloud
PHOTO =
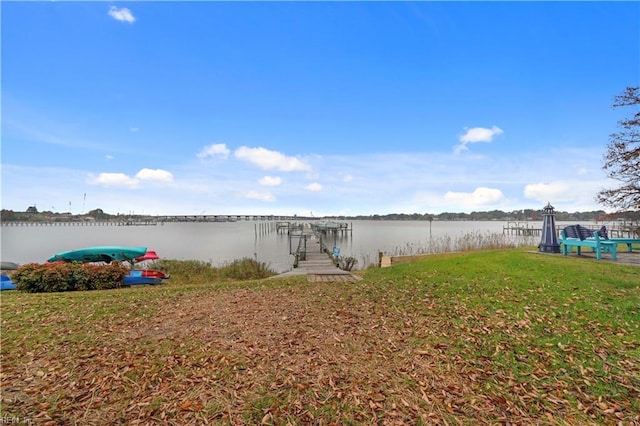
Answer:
(382, 183)
(480, 134)
(215, 150)
(157, 175)
(122, 14)
(270, 160)
(270, 181)
(261, 196)
(480, 197)
(544, 192)
(114, 180)
(124, 181)
(134, 129)
(570, 192)
(109, 157)
(313, 187)
(476, 134)
(569, 195)
(347, 178)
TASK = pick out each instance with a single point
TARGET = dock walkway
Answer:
(319, 267)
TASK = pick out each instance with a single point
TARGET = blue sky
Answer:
(328, 108)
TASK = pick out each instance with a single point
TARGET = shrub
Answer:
(346, 263)
(55, 277)
(246, 269)
(185, 270)
(104, 277)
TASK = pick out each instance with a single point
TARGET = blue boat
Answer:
(136, 277)
(6, 283)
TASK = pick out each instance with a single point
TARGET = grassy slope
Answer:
(472, 338)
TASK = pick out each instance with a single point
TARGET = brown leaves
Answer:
(321, 354)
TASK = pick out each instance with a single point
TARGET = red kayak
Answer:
(149, 255)
(149, 273)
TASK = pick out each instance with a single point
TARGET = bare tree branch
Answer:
(622, 159)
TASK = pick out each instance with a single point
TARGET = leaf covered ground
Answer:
(496, 337)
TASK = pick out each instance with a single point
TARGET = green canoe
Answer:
(99, 254)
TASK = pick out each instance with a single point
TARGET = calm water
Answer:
(220, 243)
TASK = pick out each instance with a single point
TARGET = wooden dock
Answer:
(288, 227)
(521, 229)
(133, 222)
(313, 260)
(331, 227)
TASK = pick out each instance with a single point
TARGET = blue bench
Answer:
(578, 236)
(628, 241)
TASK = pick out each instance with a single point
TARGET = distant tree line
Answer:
(33, 215)
(499, 215)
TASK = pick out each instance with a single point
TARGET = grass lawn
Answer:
(488, 337)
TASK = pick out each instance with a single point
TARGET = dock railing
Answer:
(300, 252)
(521, 228)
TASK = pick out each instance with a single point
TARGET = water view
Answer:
(221, 243)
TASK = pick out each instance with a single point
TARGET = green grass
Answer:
(480, 337)
(530, 312)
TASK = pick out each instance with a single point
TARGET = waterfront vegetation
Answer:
(188, 270)
(505, 336)
(469, 241)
